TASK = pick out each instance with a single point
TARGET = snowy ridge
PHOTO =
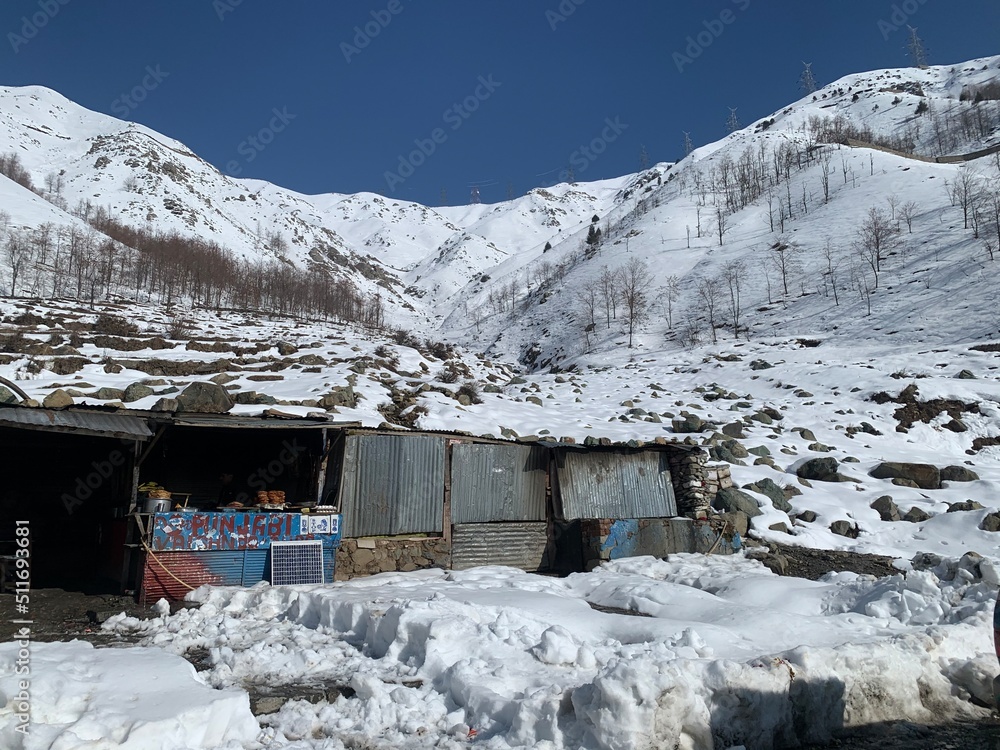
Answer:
(730, 655)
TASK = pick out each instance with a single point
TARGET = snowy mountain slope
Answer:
(934, 286)
(450, 267)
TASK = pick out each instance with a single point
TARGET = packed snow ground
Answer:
(729, 655)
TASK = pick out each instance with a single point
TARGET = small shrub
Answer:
(470, 389)
(179, 327)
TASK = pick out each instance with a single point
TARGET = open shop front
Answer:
(69, 475)
(219, 496)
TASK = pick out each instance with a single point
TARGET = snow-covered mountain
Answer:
(481, 274)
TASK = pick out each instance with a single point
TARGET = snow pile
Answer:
(132, 699)
(729, 654)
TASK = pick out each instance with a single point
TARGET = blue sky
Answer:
(411, 97)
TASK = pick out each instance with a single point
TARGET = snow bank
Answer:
(729, 654)
(132, 699)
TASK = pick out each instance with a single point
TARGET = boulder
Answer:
(820, 470)
(782, 527)
(108, 394)
(887, 508)
(734, 430)
(166, 405)
(286, 349)
(778, 564)
(135, 392)
(806, 516)
(342, 395)
(991, 522)
(688, 423)
(205, 398)
(844, 528)
(738, 520)
(221, 379)
(731, 499)
(771, 489)
(958, 474)
(965, 375)
(819, 447)
(964, 505)
(791, 491)
(760, 364)
(58, 399)
(925, 476)
(806, 434)
(736, 448)
(916, 515)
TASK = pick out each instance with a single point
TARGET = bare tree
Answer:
(783, 260)
(877, 236)
(607, 286)
(671, 291)
(964, 192)
(18, 254)
(587, 299)
(733, 273)
(893, 200)
(907, 212)
(708, 294)
(634, 283)
(825, 166)
(862, 279)
(830, 273)
(720, 221)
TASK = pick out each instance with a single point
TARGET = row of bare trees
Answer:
(978, 196)
(625, 289)
(112, 260)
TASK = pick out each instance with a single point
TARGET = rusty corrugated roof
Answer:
(97, 423)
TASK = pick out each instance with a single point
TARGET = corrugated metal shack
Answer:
(407, 500)
(414, 500)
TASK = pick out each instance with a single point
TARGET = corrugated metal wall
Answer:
(519, 545)
(497, 483)
(615, 484)
(392, 485)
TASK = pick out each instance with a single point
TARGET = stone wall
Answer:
(717, 477)
(364, 557)
(687, 468)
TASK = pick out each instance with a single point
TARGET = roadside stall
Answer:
(189, 548)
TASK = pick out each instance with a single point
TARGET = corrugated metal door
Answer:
(497, 483)
(161, 573)
(392, 485)
(615, 484)
(519, 545)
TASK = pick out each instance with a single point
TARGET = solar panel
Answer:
(296, 562)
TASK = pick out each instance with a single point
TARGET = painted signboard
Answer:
(174, 532)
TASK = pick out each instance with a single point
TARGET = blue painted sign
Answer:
(238, 531)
